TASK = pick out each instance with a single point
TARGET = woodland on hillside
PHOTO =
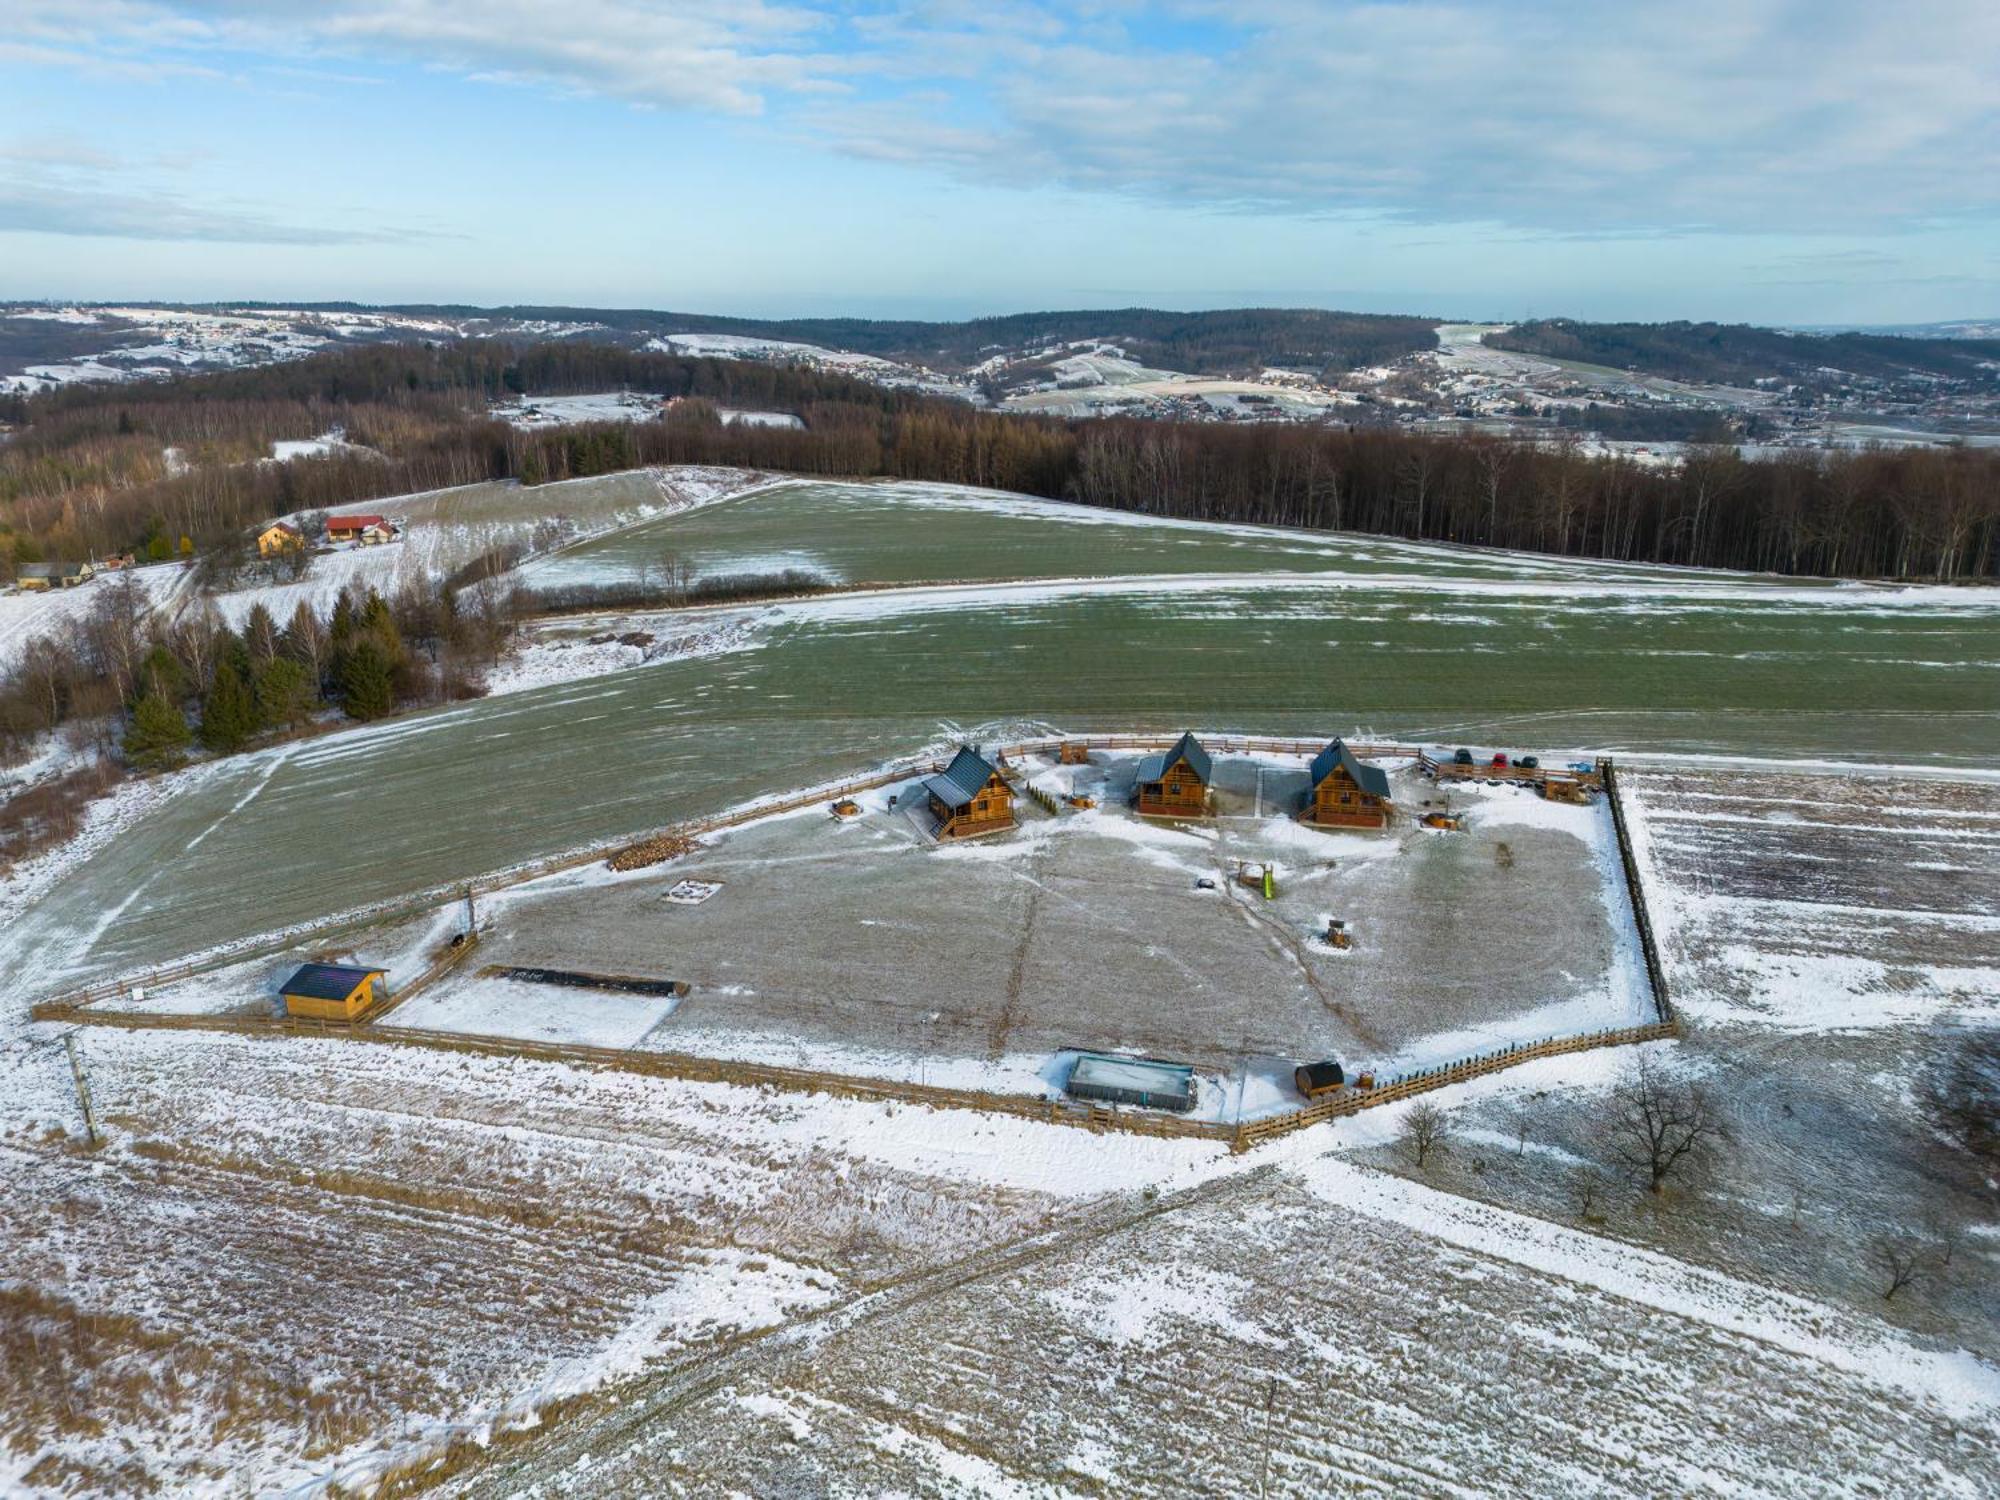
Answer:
(1230, 341)
(1738, 354)
(87, 472)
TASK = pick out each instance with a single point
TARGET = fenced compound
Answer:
(1239, 1135)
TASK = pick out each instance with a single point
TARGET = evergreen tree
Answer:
(260, 634)
(157, 738)
(160, 672)
(367, 680)
(284, 691)
(341, 630)
(228, 714)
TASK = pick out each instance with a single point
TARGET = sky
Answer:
(1775, 161)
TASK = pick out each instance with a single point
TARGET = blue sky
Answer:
(1760, 160)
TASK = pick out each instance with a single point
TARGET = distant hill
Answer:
(1738, 354)
(1230, 341)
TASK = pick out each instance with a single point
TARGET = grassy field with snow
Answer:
(298, 1262)
(823, 687)
(909, 532)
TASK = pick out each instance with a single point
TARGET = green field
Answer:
(912, 533)
(830, 686)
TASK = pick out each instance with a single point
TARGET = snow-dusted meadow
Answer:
(693, 1284)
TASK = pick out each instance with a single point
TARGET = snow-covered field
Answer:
(25, 615)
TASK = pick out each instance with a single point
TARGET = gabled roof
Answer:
(964, 779)
(280, 526)
(1371, 779)
(1186, 748)
(327, 981)
(353, 523)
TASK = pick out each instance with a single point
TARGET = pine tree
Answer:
(367, 680)
(157, 738)
(284, 691)
(228, 714)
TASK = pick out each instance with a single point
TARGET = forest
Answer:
(1738, 354)
(1231, 341)
(87, 472)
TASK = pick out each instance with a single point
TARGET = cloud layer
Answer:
(1568, 117)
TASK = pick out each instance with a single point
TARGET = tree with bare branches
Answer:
(1661, 1125)
(1895, 1259)
(1425, 1132)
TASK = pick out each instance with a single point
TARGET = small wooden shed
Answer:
(1345, 792)
(330, 992)
(1174, 783)
(970, 798)
(1315, 1080)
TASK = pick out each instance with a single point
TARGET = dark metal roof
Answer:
(964, 779)
(1186, 748)
(1320, 1075)
(326, 981)
(41, 569)
(1371, 779)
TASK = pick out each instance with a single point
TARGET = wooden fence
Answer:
(1240, 1136)
(1635, 888)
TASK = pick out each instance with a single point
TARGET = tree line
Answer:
(419, 418)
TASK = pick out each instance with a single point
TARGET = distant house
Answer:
(118, 560)
(70, 574)
(34, 577)
(359, 529)
(1345, 792)
(1174, 783)
(970, 798)
(330, 992)
(279, 538)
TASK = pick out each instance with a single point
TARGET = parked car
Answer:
(1528, 762)
(1499, 759)
(1462, 758)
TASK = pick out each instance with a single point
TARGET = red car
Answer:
(1500, 758)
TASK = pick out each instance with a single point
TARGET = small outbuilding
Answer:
(1174, 783)
(1315, 1080)
(35, 577)
(1132, 1080)
(1346, 793)
(330, 992)
(970, 797)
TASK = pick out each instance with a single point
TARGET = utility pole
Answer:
(471, 915)
(82, 1089)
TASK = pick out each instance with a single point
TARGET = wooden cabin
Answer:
(279, 538)
(1345, 792)
(1174, 783)
(970, 798)
(330, 992)
(36, 577)
(358, 529)
(1563, 786)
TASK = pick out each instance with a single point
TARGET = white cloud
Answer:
(1563, 116)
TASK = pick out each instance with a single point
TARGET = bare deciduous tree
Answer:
(1660, 1125)
(1586, 1187)
(1425, 1131)
(1895, 1258)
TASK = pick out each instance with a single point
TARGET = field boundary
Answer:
(1241, 1135)
(1238, 1136)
